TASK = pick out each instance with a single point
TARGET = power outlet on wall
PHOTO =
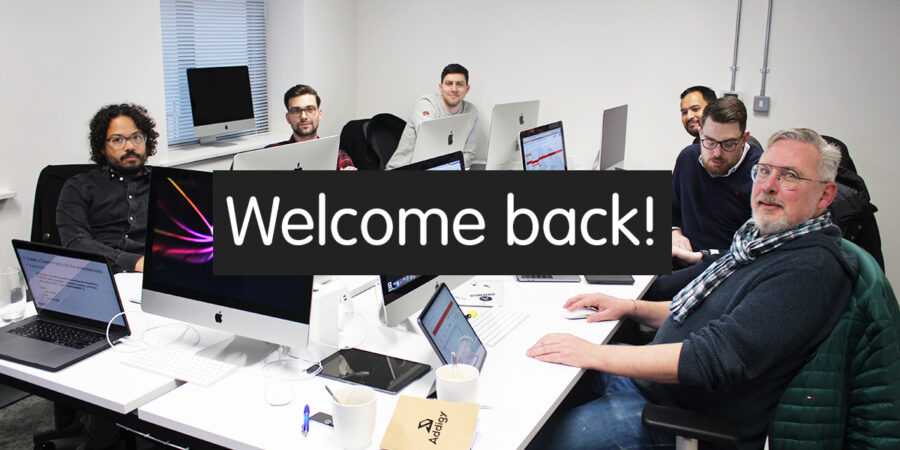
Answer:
(761, 103)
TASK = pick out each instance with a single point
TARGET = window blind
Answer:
(209, 33)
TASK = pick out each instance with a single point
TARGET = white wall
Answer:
(833, 68)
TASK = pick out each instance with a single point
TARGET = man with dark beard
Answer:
(104, 210)
(711, 182)
(303, 114)
(693, 100)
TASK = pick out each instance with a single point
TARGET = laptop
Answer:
(441, 136)
(316, 154)
(612, 147)
(549, 278)
(450, 161)
(543, 148)
(507, 121)
(75, 297)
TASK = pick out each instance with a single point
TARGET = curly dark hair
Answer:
(100, 125)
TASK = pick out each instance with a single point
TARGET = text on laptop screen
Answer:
(71, 286)
(452, 165)
(451, 332)
(544, 151)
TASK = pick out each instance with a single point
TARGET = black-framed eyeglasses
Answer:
(118, 141)
(309, 110)
(728, 145)
(788, 179)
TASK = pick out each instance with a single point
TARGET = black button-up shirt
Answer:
(101, 212)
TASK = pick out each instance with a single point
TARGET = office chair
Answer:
(371, 142)
(46, 195)
(846, 396)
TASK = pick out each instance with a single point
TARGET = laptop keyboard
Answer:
(58, 334)
(494, 324)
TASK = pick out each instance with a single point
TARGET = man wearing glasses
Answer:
(711, 181)
(104, 210)
(303, 114)
(728, 344)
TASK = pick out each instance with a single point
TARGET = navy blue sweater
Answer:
(710, 209)
(745, 342)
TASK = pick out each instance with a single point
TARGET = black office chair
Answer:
(46, 195)
(371, 142)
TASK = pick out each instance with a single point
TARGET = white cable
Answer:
(286, 360)
(139, 344)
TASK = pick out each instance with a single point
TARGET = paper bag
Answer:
(420, 423)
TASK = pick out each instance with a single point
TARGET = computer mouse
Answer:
(278, 393)
(580, 313)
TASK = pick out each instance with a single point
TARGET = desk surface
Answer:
(521, 392)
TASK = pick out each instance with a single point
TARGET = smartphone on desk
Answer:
(609, 279)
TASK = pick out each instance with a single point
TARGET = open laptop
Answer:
(612, 147)
(75, 297)
(507, 121)
(543, 148)
(441, 136)
(450, 161)
(315, 154)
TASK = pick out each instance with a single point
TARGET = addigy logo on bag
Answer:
(427, 424)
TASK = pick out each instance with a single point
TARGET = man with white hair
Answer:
(730, 342)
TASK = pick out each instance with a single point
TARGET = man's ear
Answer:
(828, 194)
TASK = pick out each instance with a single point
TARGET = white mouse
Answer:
(278, 393)
(580, 313)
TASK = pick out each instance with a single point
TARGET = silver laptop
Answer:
(612, 147)
(75, 297)
(441, 136)
(544, 147)
(549, 278)
(507, 121)
(316, 154)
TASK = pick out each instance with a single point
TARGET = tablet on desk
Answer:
(380, 372)
(449, 331)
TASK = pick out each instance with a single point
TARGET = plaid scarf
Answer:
(745, 247)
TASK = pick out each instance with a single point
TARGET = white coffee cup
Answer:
(354, 416)
(457, 383)
(12, 294)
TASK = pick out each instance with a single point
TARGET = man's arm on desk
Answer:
(657, 363)
(651, 314)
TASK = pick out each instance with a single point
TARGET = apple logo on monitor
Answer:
(521, 119)
(298, 167)
(450, 138)
(218, 317)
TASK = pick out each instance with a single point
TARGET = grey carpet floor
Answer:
(22, 420)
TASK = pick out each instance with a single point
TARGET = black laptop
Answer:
(75, 297)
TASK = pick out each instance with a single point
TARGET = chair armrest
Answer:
(690, 424)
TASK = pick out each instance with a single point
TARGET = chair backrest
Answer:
(848, 394)
(353, 141)
(383, 136)
(46, 195)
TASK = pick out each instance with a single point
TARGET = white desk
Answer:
(521, 391)
(102, 379)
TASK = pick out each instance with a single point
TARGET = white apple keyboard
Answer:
(495, 323)
(180, 365)
(580, 313)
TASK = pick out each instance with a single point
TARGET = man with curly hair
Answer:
(104, 210)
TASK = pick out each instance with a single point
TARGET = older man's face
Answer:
(777, 209)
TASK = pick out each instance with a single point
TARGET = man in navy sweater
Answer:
(731, 341)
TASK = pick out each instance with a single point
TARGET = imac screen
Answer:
(220, 94)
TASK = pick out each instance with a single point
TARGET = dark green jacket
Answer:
(848, 394)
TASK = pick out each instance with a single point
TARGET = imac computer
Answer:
(451, 161)
(507, 121)
(612, 147)
(178, 279)
(221, 101)
(404, 295)
(438, 137)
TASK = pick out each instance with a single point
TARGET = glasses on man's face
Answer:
(117, 141)
(728, 145)
(296, 111)
(788, 179)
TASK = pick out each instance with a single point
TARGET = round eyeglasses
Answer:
(788, 179)
(118, 142)
(728, 145)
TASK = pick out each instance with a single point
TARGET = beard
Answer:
(767, 226)
(713, 170)
(693, 128)
(298, 129)
(129, 170)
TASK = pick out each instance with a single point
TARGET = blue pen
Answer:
(305, 420)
